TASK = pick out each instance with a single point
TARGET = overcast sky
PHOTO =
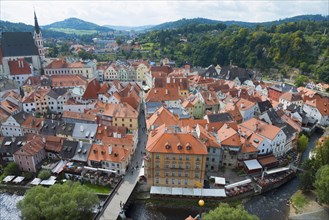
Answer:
(136, 13)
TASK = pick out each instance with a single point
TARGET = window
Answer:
(173, 165)
(180, 173)
(196, 175)
(167, 173)
(167, 164)
(174, 157)
(179, 181)
(157, 180)
(167, 156)
(186, 182)
(187, 157)
(180, 157)
(187, 166)
(157, 156)
(197, 166)
(157, 164)
(198, 158)
(173, 173)
(173, 181)
(157, 173)
(167, 181)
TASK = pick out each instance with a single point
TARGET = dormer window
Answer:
(179, 146)
(188, 146)
(167, 146)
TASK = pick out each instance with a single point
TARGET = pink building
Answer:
(31, 154)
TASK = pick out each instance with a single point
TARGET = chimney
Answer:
(22, 63)
(206, 127)
(19, 64)
(155, 91)
(168, 80)
(241, 105)
(209, 97)
(80, 144)
(110, 150)
(43, 139)
(239, 92)
(166, 91)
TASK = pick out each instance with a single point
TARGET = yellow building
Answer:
(141, 72)
(174, 159)
(120, 115)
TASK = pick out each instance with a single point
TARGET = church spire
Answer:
(36, 25)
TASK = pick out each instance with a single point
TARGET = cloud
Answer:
(134, 13)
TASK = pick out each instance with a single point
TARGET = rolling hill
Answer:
(6, 26)
(76, 26)
(184, 22)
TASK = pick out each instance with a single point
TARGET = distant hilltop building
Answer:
(21, 47)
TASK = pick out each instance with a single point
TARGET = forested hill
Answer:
(77, 24)
(183, 22)
(6, 26)
(300, 44)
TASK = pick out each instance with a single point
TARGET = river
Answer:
(8, 209)
(268, 206)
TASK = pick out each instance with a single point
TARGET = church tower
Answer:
(38, 38)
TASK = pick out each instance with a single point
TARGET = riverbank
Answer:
(304, 206)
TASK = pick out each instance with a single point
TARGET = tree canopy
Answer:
(302, 143)
(44, 174)
(66, 201)
(301, 44)
(11, 169)
(322, 184)
(225, 212)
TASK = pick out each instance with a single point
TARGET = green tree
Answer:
(307, 177)
(11, 169)
(85, 55)
(66, 201)
(44, 174)
(118, 41)
(301, 80)
(302, 143)
(322, 184)
(225, 212)
(322, 154)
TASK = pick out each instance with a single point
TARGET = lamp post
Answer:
(201, 204)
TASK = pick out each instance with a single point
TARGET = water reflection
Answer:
(8, 208)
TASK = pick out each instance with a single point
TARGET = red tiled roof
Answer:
(159, 142)
(18, 67)
(161, 116)
(92, 89)
(101, 153)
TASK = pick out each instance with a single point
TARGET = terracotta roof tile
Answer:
(262, 128)
(162, 94)
(19, 67)
(92, 89)
(161, 116)
(101, 153)
(228, 136)
(159, 143)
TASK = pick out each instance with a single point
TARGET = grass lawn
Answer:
(299, 200)
(74, 31)
(98, 188)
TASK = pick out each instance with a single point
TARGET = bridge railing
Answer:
(108, 199)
